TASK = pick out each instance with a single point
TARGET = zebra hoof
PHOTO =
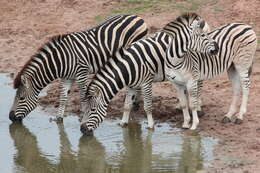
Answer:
(85, 131)
(123, 124)
(185, 126)
(150, 128)
(238, 121)
(226, 120)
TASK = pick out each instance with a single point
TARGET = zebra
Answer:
(237, 45)
(71, 57)
(137, 67)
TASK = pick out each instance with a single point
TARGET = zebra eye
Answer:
(93, 109)
(22, 98)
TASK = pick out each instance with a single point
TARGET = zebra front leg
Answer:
(147, 95)
(65, 85)
(82, 81)
(192, 88)
(129, 100)
(181, 92)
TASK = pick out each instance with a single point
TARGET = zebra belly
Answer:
(177, 77)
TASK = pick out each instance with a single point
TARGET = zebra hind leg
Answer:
(235, 79)
(65, 86)
(245, 84)
(183, 98)
(136, 103)
(130, 97)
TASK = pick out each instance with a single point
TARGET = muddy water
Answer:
(40, 146)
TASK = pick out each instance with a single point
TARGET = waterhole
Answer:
(40, 146)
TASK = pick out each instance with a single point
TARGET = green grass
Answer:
(155, 6)
(135, 6)
(98, 18)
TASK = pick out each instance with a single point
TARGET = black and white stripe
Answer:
(138, 67)
(237, 46)
(72, 57)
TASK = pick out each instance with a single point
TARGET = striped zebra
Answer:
(137, 67)
(237, 45)
(72, 57)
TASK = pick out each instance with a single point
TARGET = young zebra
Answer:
(237, 46)
(72, 56)
(137, 67)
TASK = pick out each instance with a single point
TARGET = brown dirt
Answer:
(25, 25)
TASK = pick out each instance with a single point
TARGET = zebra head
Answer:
(95, 110)
(25, 99)
(188, 33)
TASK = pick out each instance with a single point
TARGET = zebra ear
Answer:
(25, 81)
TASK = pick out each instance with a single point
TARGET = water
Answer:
(38, 146)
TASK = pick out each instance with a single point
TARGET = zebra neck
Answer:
(111, 79)
(40, 81)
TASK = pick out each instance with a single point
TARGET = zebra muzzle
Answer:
(85, 131)
(13, 118)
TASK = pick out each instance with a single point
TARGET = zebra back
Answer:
(58, 58)
(142, 62)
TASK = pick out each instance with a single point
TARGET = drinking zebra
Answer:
(72, 57)
(140, 65)
(237, 45)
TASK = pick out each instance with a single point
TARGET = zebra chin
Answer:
(13, 118)
(85, 131)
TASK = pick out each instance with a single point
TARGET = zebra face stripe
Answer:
(95, 109)
(25, 101)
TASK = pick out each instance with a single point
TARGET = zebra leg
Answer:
(183, 105)
(129, 100)
(82, 84)
(245, 83)
(65, 86)
(200, 111)
(192, 87)
(136, 103)
(147, 95)
(235, 79)
(200, 84)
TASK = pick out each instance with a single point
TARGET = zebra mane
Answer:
(54, 39)
(185, 19)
